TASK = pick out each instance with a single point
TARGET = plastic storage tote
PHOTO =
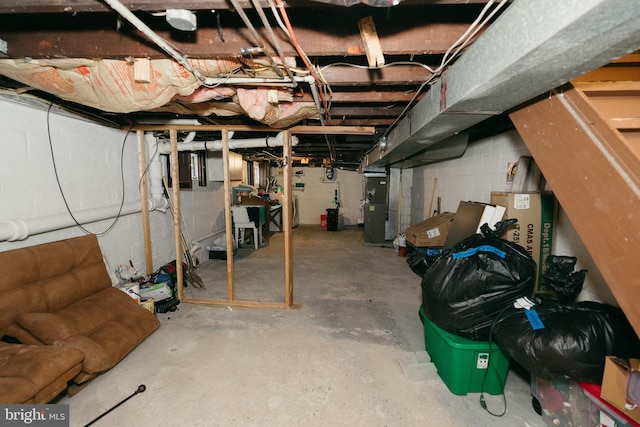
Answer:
(562, 402)
(465, 366)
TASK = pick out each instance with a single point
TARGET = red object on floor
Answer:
(594, 390)
(323, 221)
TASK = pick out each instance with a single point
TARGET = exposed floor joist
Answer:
(334, 33)
(414, 37)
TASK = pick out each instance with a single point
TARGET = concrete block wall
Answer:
(481, 170)
(406, 184)
(318, 194)
(87, 158)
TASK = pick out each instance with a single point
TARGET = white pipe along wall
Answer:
(20, 229)
(190, 145)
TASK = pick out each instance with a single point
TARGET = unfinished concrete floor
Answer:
(353, 354)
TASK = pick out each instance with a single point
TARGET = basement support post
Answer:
(287, 216)
(175, 186)
(227, 214)
(144, 201)
(286, 211)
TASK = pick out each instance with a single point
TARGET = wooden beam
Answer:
(287, 228)
(144, 201)
(401, 74)
(287, 213)
(75, 6)
(596, 178)
(347, 95)
(303, 129)
(177, 230)
(242, 303)
(371, 42)
(624, 124)
(189, 128)
(227, 214)
(333, 130)
(366, 111)
(608, 87)
(330, 32)
(347, 121)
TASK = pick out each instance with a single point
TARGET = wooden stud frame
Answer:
(287, 210)
(144, 199)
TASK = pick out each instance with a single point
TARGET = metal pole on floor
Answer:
(141, 388)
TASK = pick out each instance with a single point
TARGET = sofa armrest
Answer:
(36, 374)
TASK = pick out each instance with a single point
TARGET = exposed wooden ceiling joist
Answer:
(69, 36)
(74, 6)
(414, 36)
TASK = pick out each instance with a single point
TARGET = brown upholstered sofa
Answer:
(70, 324)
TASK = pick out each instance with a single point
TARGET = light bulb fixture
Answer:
(182, 19)
(382, 144)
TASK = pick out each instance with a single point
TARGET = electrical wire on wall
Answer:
(146, 169)
(64, 198)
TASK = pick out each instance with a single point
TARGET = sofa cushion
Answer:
(105, 326)
(48, 327)
(36, 374)
(50, 277)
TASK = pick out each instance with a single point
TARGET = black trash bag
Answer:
(420, 260)
(561, 278)
(469, 285)
(573, 343)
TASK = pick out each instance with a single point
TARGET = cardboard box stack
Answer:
(431, 232)
(536, 213)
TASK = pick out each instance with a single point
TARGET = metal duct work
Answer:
(515, 60)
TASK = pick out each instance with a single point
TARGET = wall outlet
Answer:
(483, 361)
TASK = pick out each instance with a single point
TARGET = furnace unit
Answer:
(375, 207)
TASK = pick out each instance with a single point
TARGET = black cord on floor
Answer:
(483, 402)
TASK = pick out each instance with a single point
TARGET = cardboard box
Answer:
(470, 216)
(156, 291)
(431, 232)
(536, 213)
(149, 304)
(614, 384)
(131, 289)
